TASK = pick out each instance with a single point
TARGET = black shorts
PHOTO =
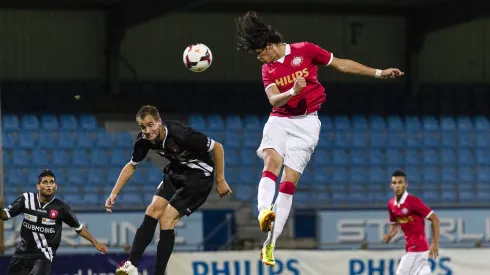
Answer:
(29, 266)
(185, 191)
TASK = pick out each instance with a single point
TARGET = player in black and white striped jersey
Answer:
(41, 228)
(196, 162)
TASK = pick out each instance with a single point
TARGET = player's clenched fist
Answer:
(109, 203)
(299, 84)
(222, 188)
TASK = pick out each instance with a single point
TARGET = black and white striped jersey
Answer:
(182, 146)
(41, 227)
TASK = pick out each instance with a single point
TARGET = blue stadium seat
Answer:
(377, 175)
(358, 157)
(466, 140)
(430, 123)
(359, 123)
(327, 123)
(197, 122)
(342, 139)
(7, 158)
(88, 122)
(482, 196)
(376, 157)
(359, 139)
(252, 139)
(120, 157)
(155, 176)
(466, 174)
(9, 140)
(74, 199)
(80, 157)
(358, 174)
(96, 177)
(131, 199)
(412, 123)
(483, 157)
(27, 140)
(40, 158)
(231, 157)
(10, 122)
(413, 174)
(123, 140)
(377, 123)
(215, 135)
(483, 139)
(430, 139)
(430, 197)
(430, 174)
(20, 158)
(464, 123)
(233, 122)
(66, 140)
(68, 122)
(447, 123)
(47, 140)
(395, 123)
(92, 199)
(32, 175)
(232, 139)
(396, 139)
(99, 158)
(16, 176)
(340, 198)
(243, 192)
(85, 140)
(248, 175)
(248, 157)
(252, 122)
(413, 139)
(378, 139)
(49, 122)
(448, 157)
(430, 157)
(104, 140)
(76, 176)
(340, 157)
(341, 123)
(483, 174)
(321, 177)
(340, 175)
(412, 157)
(29, 122)
(394, 157)
(466, 196)
(482, 123)
(232, 175)
(320, 158)
(60, 158)
(466, 157)
(449, 139)
(215, 122)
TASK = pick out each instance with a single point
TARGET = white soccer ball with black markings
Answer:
(198, 57)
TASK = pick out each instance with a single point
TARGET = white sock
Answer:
(267, 190)
(283, 205)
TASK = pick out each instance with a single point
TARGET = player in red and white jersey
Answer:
(409, 212)
(290, 77)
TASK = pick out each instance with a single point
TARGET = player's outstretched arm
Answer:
(352, 67)
(87, 236)
(392, 233)
(434, 248)
(126, 173)
(219, 162)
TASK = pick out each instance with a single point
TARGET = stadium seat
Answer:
(29, 122)
(40, 158)
(27, 140)
(342, 139)
(104, 140)
(66, 140)
(378, 139)
(359, 139)
(85, 140)
(359, 123)
(358, 175)
(8, 140)
(47, 139)
(430, 123)
(215, 122)
(430, 157)
(232, 139)
(358, 157)
(483, 157)
(248, 175)
(231, 157)
(76, 176)
(49, 122)
(483, 139)
(466, 140)
(10, 122)
(447, 123)
(233, 122)
(396, 139)
(394, 157)
(252, 123)
(413, 139)
(197, 122)
(395, 123)
(88, 122)
(123, 140)
(155, 176)
(483, 175)
(321, 177)
(96, 176)
(412, 157)
(466, 175)
(74, 199)
(482, 123)
(60, 158)
(99, 158)
(327, 123)
(430, 175)
(68, 122)
(376, 157)
(119, 157)
(377, 123)
(340, 157)
(449, 175)
(464, 123)
(412, 123)
(249, 157)
(430, 139)
(16, 176)
(448, 157)
(20, 157)
(448, 139)
(252, 139)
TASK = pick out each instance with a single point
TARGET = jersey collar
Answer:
(286, 53)
(402, 200)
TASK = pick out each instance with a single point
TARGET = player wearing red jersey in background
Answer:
(409, 212)
(290, 76)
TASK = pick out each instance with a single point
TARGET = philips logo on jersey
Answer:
(30, 218)
(286, 80)
(38, 228)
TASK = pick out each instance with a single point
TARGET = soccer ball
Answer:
(197, 57)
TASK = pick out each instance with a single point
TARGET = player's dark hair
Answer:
(253, 33)
(45, 173)
(398, 173)
(148, 110)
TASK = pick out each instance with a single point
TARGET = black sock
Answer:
(164, 250)
(144, 236)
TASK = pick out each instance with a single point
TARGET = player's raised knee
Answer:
(156, 207)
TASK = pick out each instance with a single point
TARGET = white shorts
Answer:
(414, 263)
(294, 138)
